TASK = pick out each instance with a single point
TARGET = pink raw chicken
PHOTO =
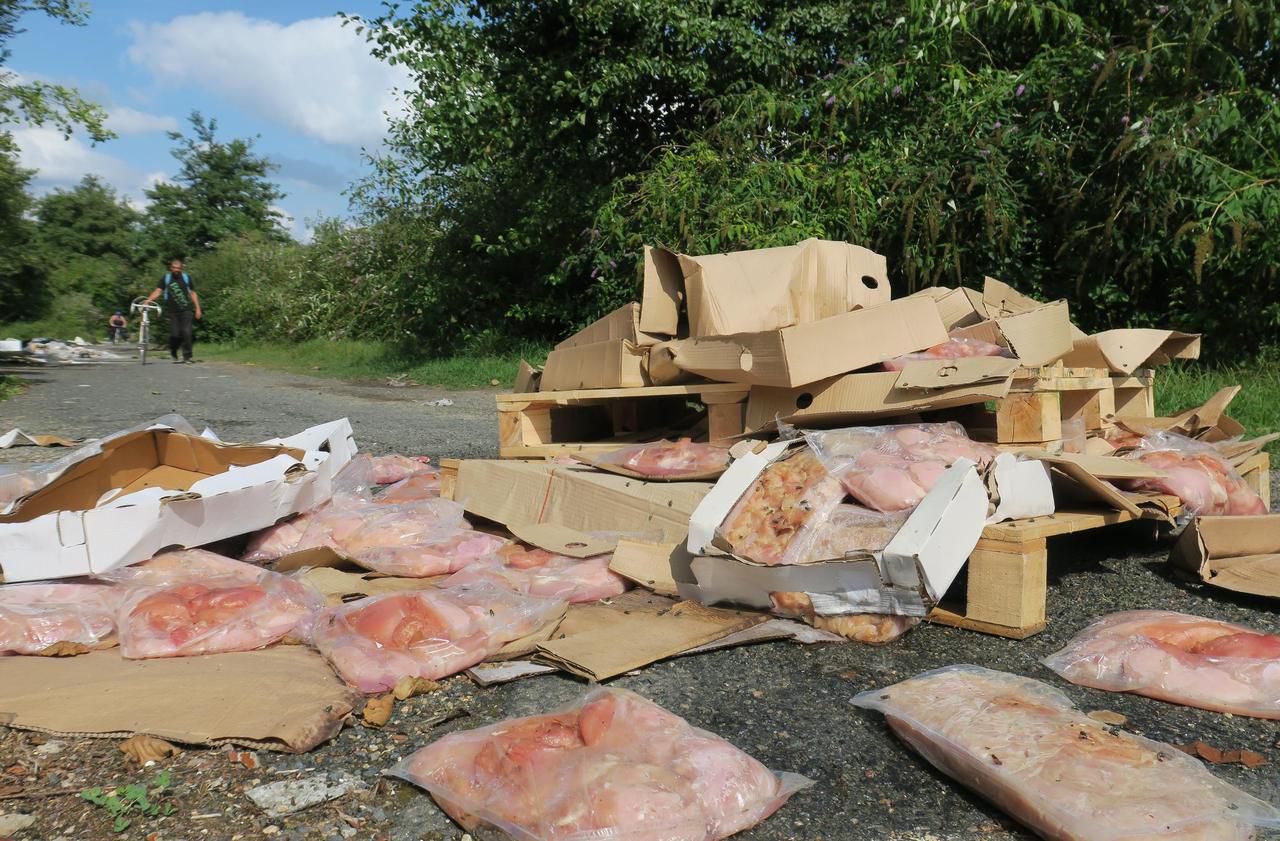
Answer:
(375, 642)
(172, 610)
(670, 459)
(1023, 745)
(434, 553)
(953, 348)
(346, 525)
(538, 572)
(615, 767)
(892, 468)
(388, 470)
(36, 616)
(1177, 658)
(1199, 477)
(419, 486)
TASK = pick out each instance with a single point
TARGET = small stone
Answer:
(270, 830)
(289, 796)
(50, 748)
(14, 823)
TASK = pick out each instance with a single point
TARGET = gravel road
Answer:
(787, 705)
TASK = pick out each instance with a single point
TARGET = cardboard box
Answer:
(909, 577)
(1036, 337)
(159, 488)
(1125, 351)
(959, 307)
(663, 297)
(1001, 299)
(806, 353)
(1241, 554)
(622, 323)
(661, 368)
(520, 494)
(527, 379)
(613, 364)
(855, 398)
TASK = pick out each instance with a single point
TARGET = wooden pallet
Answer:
(545, 424)
(1043, 402)
(1008, 571)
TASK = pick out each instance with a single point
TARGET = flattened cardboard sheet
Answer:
(612, 364)
(283, 698)
(1241, 554)
(622, 323)
(1125, 351)
(1036, 336)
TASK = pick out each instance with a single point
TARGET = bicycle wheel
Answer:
(142, 342)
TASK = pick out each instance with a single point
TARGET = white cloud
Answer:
(124, 120)
(62, 162)
(313, 75)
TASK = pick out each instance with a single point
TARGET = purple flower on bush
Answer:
(1124, 121)
(897, 90)
(1020, 90)
(594, 272)
(613, 264)
(986, 153)
(999, 125)
(1093, 66)
(831, 101)
(1162, 10)
(902, 41)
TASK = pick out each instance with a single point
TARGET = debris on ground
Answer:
(286, 797)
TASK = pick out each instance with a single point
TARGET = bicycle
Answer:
(141, 306)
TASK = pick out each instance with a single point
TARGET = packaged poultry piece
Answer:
(176, 609)
(774, 520)
(416, 487)
(952, 348)
(374, 642)
(538, 572)
(387, 470)
(679, 459)
(892, 468)
(379, 547)
(1177, 658)
(871, 628)
(1022, 745)
(35, 617)
(1196, 474)
(614, 766)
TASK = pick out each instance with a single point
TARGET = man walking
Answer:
(182, 303)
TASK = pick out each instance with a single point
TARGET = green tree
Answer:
(221, 191)
(89, 235)
(38, 102)
(22, 291)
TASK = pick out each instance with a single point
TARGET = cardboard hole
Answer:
(804, 401)
(870, 282)
(745, 361)
(577, 544)
(947, 370)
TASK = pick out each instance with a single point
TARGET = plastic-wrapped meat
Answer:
(276, 541)
(670, 459)
(1022, 745)
(848, 528)
(34, 617)
(183, 565)
(872, 628)
(953, 348)
(433, 553)
(787, 495)
(1177, 658)
(387, 470)
(538, 572)
(416, 487)
(185, 611)
(892, 468)
(1197, 475)
(374, 642)
(616, 766)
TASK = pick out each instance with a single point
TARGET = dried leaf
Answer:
(64, 648)
(16, 770)
(142, 748)
(1108, 717)
(1209, 753)
(407, 687)
(247, 758)
(377, 711)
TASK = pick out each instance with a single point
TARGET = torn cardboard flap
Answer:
(663, 294)
(616, 363)
(1235, 553)
(1125, 351)
(1036, 336)
(945, 373)
(527, 379)
(654, 566)
(562, 540)
(338, 586)
(1074, 481)
(809, 352)
(622, 323)
(18, 437)
(1019, 488)
(855, 398)
(281, 698)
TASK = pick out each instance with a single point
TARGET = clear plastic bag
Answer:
(1177, 658)
(419, 486)
(180, 610)
(871, 628)
(787, 496)
(614, 766)
(670, 459)
(1197, 475)
(952, 348)
(434, 553)
(892, 468)
(1022, 745)
(34, 617)
(374, 642)
(848, 528)
(351, 526)
(538, 572)
(365, 473)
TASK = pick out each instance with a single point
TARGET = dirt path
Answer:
(787, 705)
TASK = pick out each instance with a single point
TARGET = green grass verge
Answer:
(11, 386)
(1185, 385)
(364, 360)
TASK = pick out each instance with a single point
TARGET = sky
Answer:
(285, 72)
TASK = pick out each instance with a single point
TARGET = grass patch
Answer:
(1184, 385)
(366, 360)
(11, 386)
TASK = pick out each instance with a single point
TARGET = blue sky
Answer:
(284, 71)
